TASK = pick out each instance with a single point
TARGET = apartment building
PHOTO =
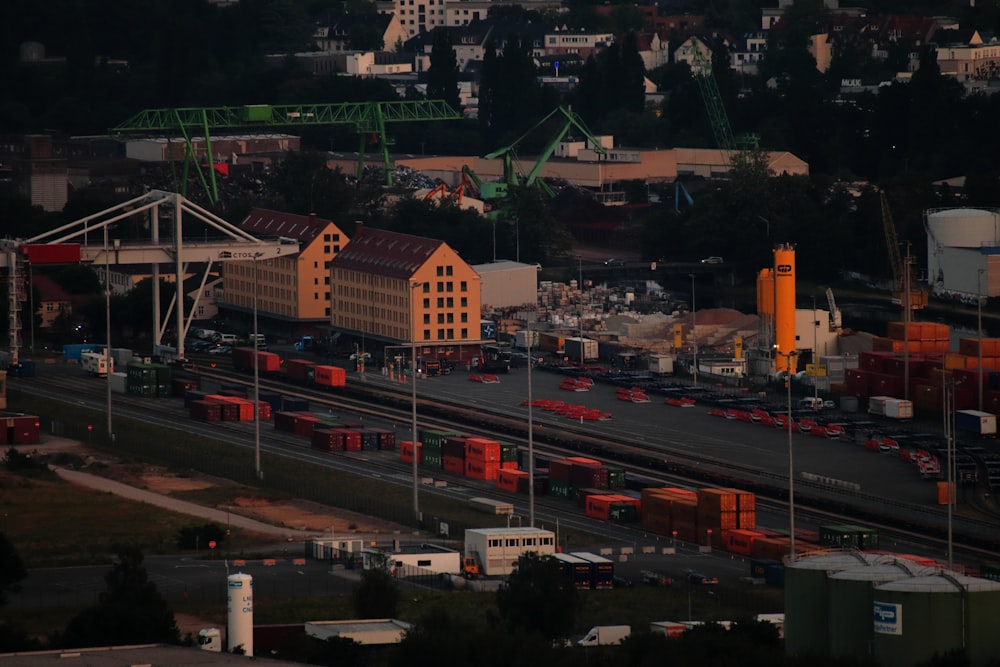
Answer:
(397, 288)
(294, 288)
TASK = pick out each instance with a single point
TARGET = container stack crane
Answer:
(902, 269)
(836, 322)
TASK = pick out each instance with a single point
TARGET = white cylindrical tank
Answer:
(964, 227)
(239, 606)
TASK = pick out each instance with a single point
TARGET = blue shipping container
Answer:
(75, 351)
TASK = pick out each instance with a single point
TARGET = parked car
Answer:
(221, 349)
(614, 261)
(700, 578)
(712, 260)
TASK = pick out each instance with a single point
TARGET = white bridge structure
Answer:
(86, 241)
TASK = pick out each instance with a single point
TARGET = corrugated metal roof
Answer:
(386, 253)
(265, 222)
(942, 582)
(839, 560)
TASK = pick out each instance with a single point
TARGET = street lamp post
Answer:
(790, 356)
(580, 316)
(107, 324)
(256, 376)
(815, 356)
(694, 332)
(413, 390)
(979, 319)
(531, 440)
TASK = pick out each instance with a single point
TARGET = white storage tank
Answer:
(963, 227)
(239, 606)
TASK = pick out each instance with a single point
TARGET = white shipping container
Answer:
(974, 421)
(119, 383)
(898, 408)
(575, 344)
(525, 336)
(97, 363)
(661, 364)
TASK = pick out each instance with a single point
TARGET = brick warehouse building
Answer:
(394, 288)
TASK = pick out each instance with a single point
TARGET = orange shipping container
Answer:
(330, 376)
(772, 548)
(716, 500)
(484, 470)
(509, 480)
(406, 452)
(942, 493)
(739, 541)
(747, 519)
(953, 360)
(482, 449)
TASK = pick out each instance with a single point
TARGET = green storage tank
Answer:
(917, 617)
(851, 595)
(807, 598)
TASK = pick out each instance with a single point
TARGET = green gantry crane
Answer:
(368, 119)
(509, 154)
(723, 131)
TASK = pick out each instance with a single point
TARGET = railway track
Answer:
(815, 503)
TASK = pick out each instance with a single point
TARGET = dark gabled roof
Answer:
(953, 36)
(265, 222)
(386, 253)
(340, 25)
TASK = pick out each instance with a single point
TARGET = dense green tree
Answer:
(442, 75)
(527, 211)
(12, 570)
(130, 611)
(377, 596)
(538, 599)
(366, 37)
(303, 184)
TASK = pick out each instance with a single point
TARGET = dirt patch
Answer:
(288, 513)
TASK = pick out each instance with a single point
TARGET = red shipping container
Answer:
(386, 439)
(300, 369)
(267, 362)
(24, 430)
(858, 382)
(264, 409)
(206, 411)
(559, 469)
(509, 465)
(304, 424)
(482, 449)
(512, 480)
(583, 460)
(329, 376)
(352, 439)
(453, 464)
(181, 386)
(285, 421)
(484, 470)
(873, 361)
(886, 385)
(454, 446)
(327, 440)
(599, 507)
(55, 253)
(406, 452)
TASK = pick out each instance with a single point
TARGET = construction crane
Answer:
(902, 270)
(836, 321)
(721, 128)
(368, 118)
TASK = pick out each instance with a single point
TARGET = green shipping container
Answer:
(435, 438)
(508, 452)
(562, 489)
(616, 477)
(431, 460)
(623, 513)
